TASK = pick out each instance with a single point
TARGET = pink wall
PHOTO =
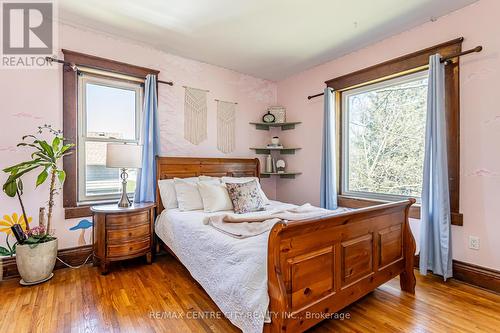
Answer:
(33, 97)
(480, 120)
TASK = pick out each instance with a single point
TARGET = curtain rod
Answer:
(443, 60)
(74, 68)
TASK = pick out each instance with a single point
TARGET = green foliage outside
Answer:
(386, 139)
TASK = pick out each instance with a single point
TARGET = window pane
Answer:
(101, 181)
(386, 130)
(110, 112)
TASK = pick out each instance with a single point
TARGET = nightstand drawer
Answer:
(118, 236)
(128, 249)
(127, 220)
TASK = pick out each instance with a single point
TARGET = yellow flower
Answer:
(9, 221)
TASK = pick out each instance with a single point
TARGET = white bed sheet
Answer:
(232, 271)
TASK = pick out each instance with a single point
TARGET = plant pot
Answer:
(36, 263)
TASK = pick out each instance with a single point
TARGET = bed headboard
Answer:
(183, 167)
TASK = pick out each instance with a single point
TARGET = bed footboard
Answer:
(317, 267)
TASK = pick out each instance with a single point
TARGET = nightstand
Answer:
(122, 233)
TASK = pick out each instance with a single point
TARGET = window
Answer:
(363, 98)
(109, 111)
(383, 142)
(106, 80)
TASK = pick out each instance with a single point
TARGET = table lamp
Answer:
(124, 156)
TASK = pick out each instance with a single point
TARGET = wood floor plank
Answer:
(163, 297)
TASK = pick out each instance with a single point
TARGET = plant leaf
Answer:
(61, 175)
(20, 186)
(10, 185)
(42, 177)
(65, 148)
(20, 165)
(47, 149)
(55, 143)
(29, 136)
(42, 156)
(4, 251)
(10, 188)
(30, 145)
(15, 174)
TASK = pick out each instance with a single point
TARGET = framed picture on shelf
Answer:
(279, 113)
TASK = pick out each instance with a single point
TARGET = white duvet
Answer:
(232, 271)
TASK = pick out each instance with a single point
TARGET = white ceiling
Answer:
(270, 39)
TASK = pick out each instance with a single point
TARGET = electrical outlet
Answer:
(474, 242)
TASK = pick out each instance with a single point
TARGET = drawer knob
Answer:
(307, 291)
(130, 234)
(130, 248)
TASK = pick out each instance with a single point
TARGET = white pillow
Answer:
(167, 192)
(215, 197)
(188, 195)
(203, 178)
(240, 180)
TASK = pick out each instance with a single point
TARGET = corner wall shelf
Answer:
(267, 151)
(290, 175)
(284, 126)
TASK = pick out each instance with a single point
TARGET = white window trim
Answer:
(344, 177)
(84, 79)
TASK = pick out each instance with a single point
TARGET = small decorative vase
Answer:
(269, 163)
(35, 263)
(275, 140)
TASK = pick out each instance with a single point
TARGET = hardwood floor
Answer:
(137, 298)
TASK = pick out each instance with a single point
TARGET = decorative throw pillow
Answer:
(215, 197)
(245, 197)
(240, 180)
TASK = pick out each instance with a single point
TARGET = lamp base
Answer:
(124, 200)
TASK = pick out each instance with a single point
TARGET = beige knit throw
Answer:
(195, 115)
(226, 113)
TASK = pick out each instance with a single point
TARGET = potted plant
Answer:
(36, 256)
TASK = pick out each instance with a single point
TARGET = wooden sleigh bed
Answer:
(318, 266)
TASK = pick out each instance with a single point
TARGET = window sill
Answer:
(76, 212)
(356, 202)
(83, 210)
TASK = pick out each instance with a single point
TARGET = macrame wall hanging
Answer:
(226, 136)
(195, 115)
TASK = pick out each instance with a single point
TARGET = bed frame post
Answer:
(407, 279)
(278, 303)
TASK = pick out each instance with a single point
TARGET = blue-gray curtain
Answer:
(435, 226)
(145, 190)
(328, 184)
